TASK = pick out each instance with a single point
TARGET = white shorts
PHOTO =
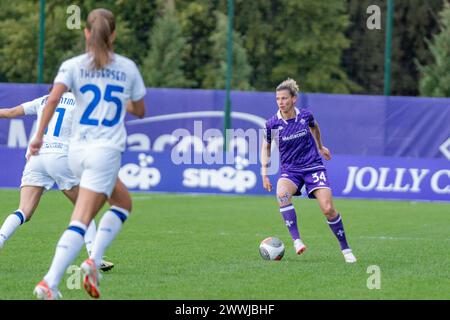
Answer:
(97, 168)
(44, 170)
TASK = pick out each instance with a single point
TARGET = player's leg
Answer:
(69, 245)
(72, 194)
(102, 176)
(34, 180)
(29, 200)
(57, 165)
(334, 219)
(120, 201)
(111, 223)
(97, 173)
(91, 231)
(120, 197)
(286, 188)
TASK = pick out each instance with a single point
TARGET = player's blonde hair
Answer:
(101, 24)
(289, 85)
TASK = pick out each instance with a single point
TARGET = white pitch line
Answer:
(389, 238)
(157, 196)
(401, 238)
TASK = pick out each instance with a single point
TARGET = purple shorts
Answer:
(313, 180)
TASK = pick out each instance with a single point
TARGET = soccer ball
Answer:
(271, 249)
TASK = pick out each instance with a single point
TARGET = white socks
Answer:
(68, 248)
(89, 237)
(12, 222)
(72, 240)
(108, 228)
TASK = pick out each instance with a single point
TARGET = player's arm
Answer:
(12, 112)
(315, 131)
(136, 105)
(47, 114)
(136, 108)
(265, 159)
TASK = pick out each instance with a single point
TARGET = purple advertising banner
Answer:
(383, 147)
(350, 124)
(350, 176)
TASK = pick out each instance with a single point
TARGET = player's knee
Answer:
(128, 206)
(284, 198)
(329, 211)
(122, 201)
(121, 197)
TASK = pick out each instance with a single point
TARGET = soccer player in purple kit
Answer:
(297, 135)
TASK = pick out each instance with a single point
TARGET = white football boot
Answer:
(91, 278)
(299, 246)
(43, 292)
(348, 256)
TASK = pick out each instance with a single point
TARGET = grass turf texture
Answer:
(206, 247)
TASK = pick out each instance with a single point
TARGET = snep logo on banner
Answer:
(224, 179)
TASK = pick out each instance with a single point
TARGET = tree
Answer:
(140, 17)
(364, 59)
(302, 39)
(197, 23)
(435, 77)
(414, 20)
(19, 49)
(216, 68)
(310, 40)
(163, 66)
(19, 38)
(254, 21)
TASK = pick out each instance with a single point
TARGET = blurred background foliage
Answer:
(324, 44)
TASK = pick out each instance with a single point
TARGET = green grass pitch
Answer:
(186, 247)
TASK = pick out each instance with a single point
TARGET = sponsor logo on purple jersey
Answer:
(295, 142)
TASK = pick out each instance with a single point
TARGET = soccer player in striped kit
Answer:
(297, 135)
(106, 85)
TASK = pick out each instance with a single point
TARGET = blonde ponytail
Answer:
(101, 24)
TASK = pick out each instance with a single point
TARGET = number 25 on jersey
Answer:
(86, 118)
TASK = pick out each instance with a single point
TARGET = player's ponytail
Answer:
(101, 24)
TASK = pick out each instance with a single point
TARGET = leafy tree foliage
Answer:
(216, 68)
(163, 66)
(323, 44)
(435, 80)
(414, 20)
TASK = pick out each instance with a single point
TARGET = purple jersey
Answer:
(296, 144)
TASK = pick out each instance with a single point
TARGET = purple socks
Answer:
(338, 229)
(290, 218)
